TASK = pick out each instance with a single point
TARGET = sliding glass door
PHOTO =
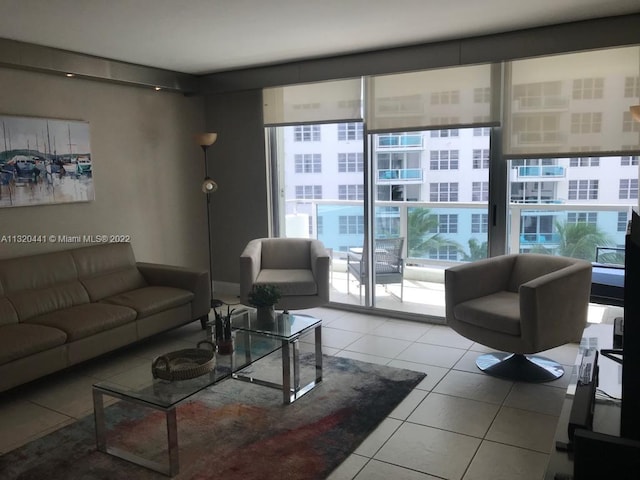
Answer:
(403, 175)
(429, 198)
(320, 192)
(431, 211)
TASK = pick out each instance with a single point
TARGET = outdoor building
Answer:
(445, 173)
(445, 167)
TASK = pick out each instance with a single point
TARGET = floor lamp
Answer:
(205, 140)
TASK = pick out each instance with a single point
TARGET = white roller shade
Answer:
(578, 102)
(442, 98)
(313, 102)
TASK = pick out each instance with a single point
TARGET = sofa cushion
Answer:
(290, 282)
(85, 320)
(113, 283)
(107, 257)
(149, 300)
(23, 339)
(36, 272)
(7, 312)
(32, 303)
(43, 283)
(107, 270)
(499, 312)
(284, 253)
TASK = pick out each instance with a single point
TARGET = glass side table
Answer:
(287, 329)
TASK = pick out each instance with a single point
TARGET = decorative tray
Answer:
(185, 364)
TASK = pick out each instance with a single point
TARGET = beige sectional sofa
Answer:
(61, 308)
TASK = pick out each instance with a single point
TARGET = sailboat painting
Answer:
(44, 161)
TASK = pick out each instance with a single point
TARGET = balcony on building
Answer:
(404, 141)
(400, 175)
(529, 173)
(546, 103)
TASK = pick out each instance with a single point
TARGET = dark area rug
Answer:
(234, 430)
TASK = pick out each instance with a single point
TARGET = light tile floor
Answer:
(456, 424)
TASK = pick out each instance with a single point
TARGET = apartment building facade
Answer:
(434, 183)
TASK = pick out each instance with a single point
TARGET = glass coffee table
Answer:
(286, 330)
(252, 342)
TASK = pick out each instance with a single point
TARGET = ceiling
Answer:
(206, 36)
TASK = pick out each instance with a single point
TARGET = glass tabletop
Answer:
(252, 341)
(285, 327)
(167, 394)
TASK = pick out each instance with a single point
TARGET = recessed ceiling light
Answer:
(70, 75)
(158, 89)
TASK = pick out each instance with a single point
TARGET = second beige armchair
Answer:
(299, 267)
(520, 304)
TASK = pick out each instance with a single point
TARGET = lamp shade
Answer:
(209, 186)
(206, 139)
(635, 112)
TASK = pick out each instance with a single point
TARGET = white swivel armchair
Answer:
(299, 267)
(521, 304)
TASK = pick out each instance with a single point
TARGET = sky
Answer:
(45, 135)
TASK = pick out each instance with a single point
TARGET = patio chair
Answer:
(389, 264)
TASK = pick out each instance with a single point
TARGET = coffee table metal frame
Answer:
(290, 392)
(172, 468)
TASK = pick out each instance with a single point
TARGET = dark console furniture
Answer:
(607, 285)
(604, 421)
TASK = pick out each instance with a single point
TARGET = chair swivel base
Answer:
(518, 367)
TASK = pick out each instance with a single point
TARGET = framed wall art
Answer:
(44, 161)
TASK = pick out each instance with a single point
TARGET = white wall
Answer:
(147, 167)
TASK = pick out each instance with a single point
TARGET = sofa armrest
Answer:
(250, 263)
(196, 281)
(555, 306)
(320, 265)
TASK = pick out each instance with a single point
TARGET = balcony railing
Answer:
(540, 138)
(546, 103)
(536, 200)
(408, 174)
(424, 277)
(543, 239)
(465, 228)
(546, 171)
(400, 141)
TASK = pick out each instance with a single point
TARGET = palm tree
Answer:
(477, 251)
(420, 222)
(579, 240)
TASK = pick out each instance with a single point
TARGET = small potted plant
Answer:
(224, 341)
(264, 297)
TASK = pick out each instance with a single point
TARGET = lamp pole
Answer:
(205, 140)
